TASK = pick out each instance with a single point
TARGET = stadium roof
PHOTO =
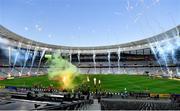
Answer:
(15, 39)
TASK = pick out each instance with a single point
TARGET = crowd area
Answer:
(85, 97)
(85, 93)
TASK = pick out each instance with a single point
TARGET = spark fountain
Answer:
(94, 60)
(34, 56)
(163, 56)
(9, 48)
(42, 55)
(70, 56)
(79, 59)
(79, 53)
(166, 52)
(109, 61)
(119, 57)
(156, 56)
(16, 57)
(26, 57)
(175, 45)
(177, 35)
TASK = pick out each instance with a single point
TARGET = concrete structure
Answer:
(131, 57)
(141, 44)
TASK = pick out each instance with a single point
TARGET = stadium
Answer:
(142, 74)
(134, 58)
(138, 57)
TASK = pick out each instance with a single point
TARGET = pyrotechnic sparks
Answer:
(166, 53)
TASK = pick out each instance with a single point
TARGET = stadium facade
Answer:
(145, 56)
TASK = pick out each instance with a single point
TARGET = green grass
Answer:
(109, 82)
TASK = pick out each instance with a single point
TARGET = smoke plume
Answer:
(63, 72)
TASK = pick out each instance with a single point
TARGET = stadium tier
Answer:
(21, 56)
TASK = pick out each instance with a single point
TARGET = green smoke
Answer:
(62, 72)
